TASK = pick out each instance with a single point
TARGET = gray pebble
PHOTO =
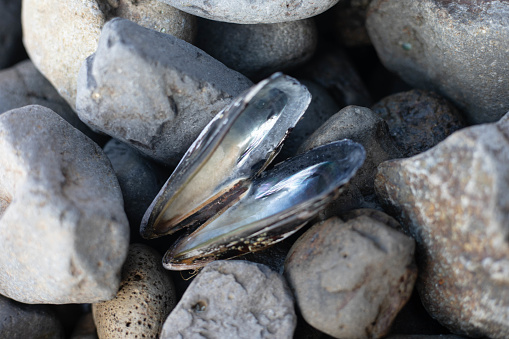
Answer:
(453, 199)
(457, 48)
(21, 321)
(63, 230)
(233, 299)
(351, 279)
(145, 298)
(257, 51)
(152, 90)
(253, 12)
(10, 32)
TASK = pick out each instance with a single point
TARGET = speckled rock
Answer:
(144, 300)
(162, 106)
(351, 279)
(19, 320)
(60, 35)
(10, 32)
(457, 48)
(23, 85)
(418, 120)
(63, 230)
(257, 51)
(453, 198)
(252, 12)
(233, 299)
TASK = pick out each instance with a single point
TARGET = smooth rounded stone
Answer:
(23, 85)
(348, 22)
(233, 299)
(19, 320)
(60, 35)
(85, 328)
(350, 279)
(63, 231)
(456, 48)
(140, 180)
(252, 12)
(257, 51)
(145, 298)
(418, 120)
(453, 198)
(153, 91)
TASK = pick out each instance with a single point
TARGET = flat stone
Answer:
(456, 48)
(11, 46)
(252, 12)
(350, 279)
(162, 106)
(453, 199)
(60, 35)
(233, 299)
(19, 320)
(63, 230)
(145, 298)
(257, 51)
(418, 120)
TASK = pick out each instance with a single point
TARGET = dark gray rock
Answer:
(85, 328)
(424, 336)
(145, 298)
(418, 120)
(233, 299)
(257, 51)
(457, 48)
(152, 90)
(22, 321)
(351, 279)
(252, 12)
(63, 230)
(11, 45)
(453, 199)
(348, 22)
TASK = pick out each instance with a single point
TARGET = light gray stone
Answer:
(152, 90)
(233, 299)
(457, 48)
(257, 51)
(453, 199)
(20, 321)
(10, 32)
(60, 35)
(145, 298)
(351, 279)
(63, 230)
(252, 12)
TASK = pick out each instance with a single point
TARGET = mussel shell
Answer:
(275, 206)
(232, 149)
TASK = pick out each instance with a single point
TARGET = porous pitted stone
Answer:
(63, 231)
(453, 199)
(152, 90)
(233, 299)
(457, 48)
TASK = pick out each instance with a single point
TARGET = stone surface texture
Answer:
(10, 32)
(145, 298)
(457, 48)
(152, 90)
(60, 35)
(19, 320)
(350, 279)
(418, 120)
(233, 299)
(453, 199)
(63, 230)
(257, 51)
(252, 12)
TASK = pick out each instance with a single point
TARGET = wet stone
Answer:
(456, 48)
(257, 51)
(350, 279)
(60, 35)
(63, 228)
(160, 121)
(145, 298)
(418, 120)
(233, 299)
(453, 200)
